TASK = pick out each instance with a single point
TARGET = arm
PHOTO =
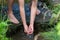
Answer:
(33, 11)
(22, 11)
(32, 17)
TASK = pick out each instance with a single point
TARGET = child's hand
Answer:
(31, 29)
(26, 29)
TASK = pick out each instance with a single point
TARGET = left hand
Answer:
(31, 29)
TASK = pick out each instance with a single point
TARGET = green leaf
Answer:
(58, 26)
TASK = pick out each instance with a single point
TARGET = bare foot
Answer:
(37, 12)
(12, 18)
(31, 29)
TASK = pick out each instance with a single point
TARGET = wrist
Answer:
(32, 24)
(24, 24)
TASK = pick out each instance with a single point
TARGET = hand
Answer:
(31, 29)
(25, 28)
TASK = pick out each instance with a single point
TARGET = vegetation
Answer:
(3, 28)
(3, 24)
(55, 21)
(53, 34)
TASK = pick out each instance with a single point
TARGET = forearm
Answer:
(22, 14)
(22, 11)
(33, 11)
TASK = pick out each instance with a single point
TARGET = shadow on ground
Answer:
(18, 34)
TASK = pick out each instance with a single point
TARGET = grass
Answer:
(53, 34)
(3, 24)
(3, 30)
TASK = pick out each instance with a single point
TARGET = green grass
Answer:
(3, 30)
(3, 27)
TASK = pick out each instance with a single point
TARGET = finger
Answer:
(30, 32)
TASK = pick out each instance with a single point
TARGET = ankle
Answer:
(9, 11)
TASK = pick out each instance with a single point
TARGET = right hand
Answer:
(26, 29)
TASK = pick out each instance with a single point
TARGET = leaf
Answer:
(58, 26)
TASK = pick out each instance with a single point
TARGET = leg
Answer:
(33, 14)
(10, 13)
(22, 13)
